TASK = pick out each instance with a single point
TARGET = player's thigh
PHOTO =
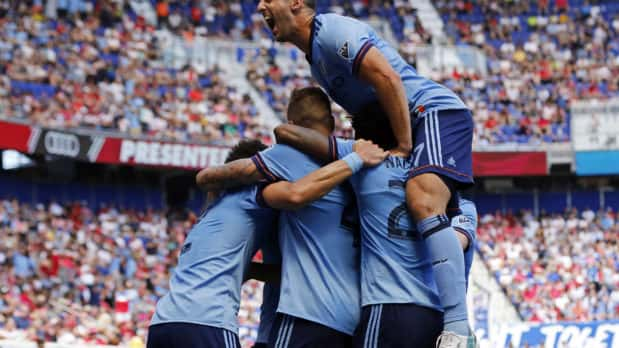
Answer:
(427, 195)
(398, 326)
(181, 335)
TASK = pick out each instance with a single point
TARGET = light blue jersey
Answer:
(205, 287)
(320, 265)
(395, 267)
(270, 292)
(338, 45)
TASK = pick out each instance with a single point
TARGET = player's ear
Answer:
(296, 5)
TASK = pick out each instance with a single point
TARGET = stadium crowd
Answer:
(106, 71)
(73, 275)
(556, 267)
(99, 64)
(540, 56)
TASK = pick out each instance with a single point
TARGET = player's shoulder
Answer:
(333, 22)
(283, 151)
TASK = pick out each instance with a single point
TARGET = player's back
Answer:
(340, 43)
(395, 267)
(206, 284)
(320, 265)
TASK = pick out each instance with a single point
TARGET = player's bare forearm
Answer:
(233, 174)
(376, 70)
(264, 272)
(305, 140)
(295, 195)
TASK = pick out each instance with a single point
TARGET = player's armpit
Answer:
(376, 70)
(264, 272)
(233, 174)
(305, 140)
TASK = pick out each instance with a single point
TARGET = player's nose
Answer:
(260, 6)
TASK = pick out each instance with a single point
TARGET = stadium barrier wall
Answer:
(106, 147)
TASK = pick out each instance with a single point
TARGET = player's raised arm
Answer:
(294, 195)
(376, 70)
(306, 140)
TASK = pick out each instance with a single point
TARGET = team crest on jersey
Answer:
(344, 52)
(186, 248)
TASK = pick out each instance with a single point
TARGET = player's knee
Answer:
(422, 206)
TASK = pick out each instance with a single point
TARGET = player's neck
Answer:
(302, 37)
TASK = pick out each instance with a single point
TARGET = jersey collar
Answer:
(308, 56)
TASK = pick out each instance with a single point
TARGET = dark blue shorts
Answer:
(442, 144)
(183, 335)
(398, 326)
(292, 332)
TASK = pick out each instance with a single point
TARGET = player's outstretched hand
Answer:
(370, 153)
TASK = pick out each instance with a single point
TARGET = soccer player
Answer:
(358, 69)
(200, 310)
(396, 292)
(319, 296)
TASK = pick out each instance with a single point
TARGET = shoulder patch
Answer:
(343, 51)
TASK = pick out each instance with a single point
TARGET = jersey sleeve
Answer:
(346, 42)
(272, 163)
(343, 147)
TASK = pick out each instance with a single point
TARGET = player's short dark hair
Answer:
(311, 4)
(245, 149)
(310, 105)
(372, 124)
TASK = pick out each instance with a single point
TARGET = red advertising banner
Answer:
(95, 147)
(510, 163)
(14, 136)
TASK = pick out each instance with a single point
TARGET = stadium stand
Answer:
(517, 102)
(541, 55)
(73, 275)
(107, 73)
(559, 267)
